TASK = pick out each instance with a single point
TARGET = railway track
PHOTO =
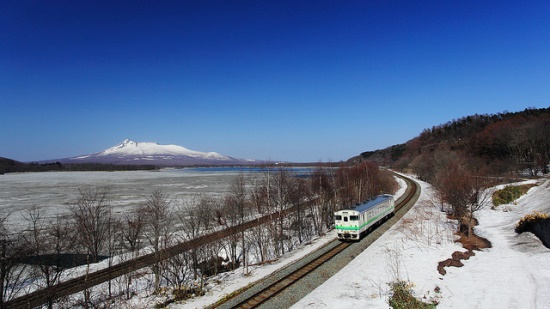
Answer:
(281, 284)
(291, 276)
(411, 194)
(72, 286)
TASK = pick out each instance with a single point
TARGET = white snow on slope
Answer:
(145, 152)
(131, 148)
(514, 273)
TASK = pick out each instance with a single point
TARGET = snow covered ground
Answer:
(514, 273)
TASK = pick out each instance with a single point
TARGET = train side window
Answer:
(338, 217)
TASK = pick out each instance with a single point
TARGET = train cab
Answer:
(347, 224)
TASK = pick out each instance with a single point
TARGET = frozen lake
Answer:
(54, 190)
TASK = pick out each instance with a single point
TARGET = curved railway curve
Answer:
(75, 285)
(264, 291)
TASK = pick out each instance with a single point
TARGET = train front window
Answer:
(338, 217)
(354, 218)
(345, 219)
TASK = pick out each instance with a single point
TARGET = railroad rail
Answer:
(411, 194)
(275, 288)
(255, 297)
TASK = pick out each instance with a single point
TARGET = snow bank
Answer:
(514, 273)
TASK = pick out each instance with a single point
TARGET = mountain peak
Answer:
(127, 143)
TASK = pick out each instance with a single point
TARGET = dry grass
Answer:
(525, 224)
(510, 194)
(402, 297)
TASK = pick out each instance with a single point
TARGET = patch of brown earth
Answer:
(471, 243)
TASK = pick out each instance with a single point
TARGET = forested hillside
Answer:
(496, 144)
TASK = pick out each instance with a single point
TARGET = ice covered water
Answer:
(53, 191)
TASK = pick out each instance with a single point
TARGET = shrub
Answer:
(186, 293)
(402, 297)
(510, 194)
(526, 223)
(179, 294)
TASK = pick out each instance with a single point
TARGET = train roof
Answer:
(371, 203)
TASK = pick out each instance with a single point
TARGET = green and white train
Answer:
(351, 224)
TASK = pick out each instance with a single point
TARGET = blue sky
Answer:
(301, 81)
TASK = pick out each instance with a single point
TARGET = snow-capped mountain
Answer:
(130, 152)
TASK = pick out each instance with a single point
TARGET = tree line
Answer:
(12, 166)
(503, 143)
(37, 257)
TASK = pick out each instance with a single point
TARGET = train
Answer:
(351, 224)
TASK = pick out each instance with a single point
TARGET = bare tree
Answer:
(191, 220)
(158, 228)
(323, 187)
(368, 180)
(479, 197)
(131, 228)
(113, 225)
(92, 215)
(344, 188)
(12, 271)
(47, 243)
(281, 200)
(177, 270)
(128, 233)
(206, 212)
(257, 196)
(461, 187)
(260, 241)
(298, 196)
(237, 210)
